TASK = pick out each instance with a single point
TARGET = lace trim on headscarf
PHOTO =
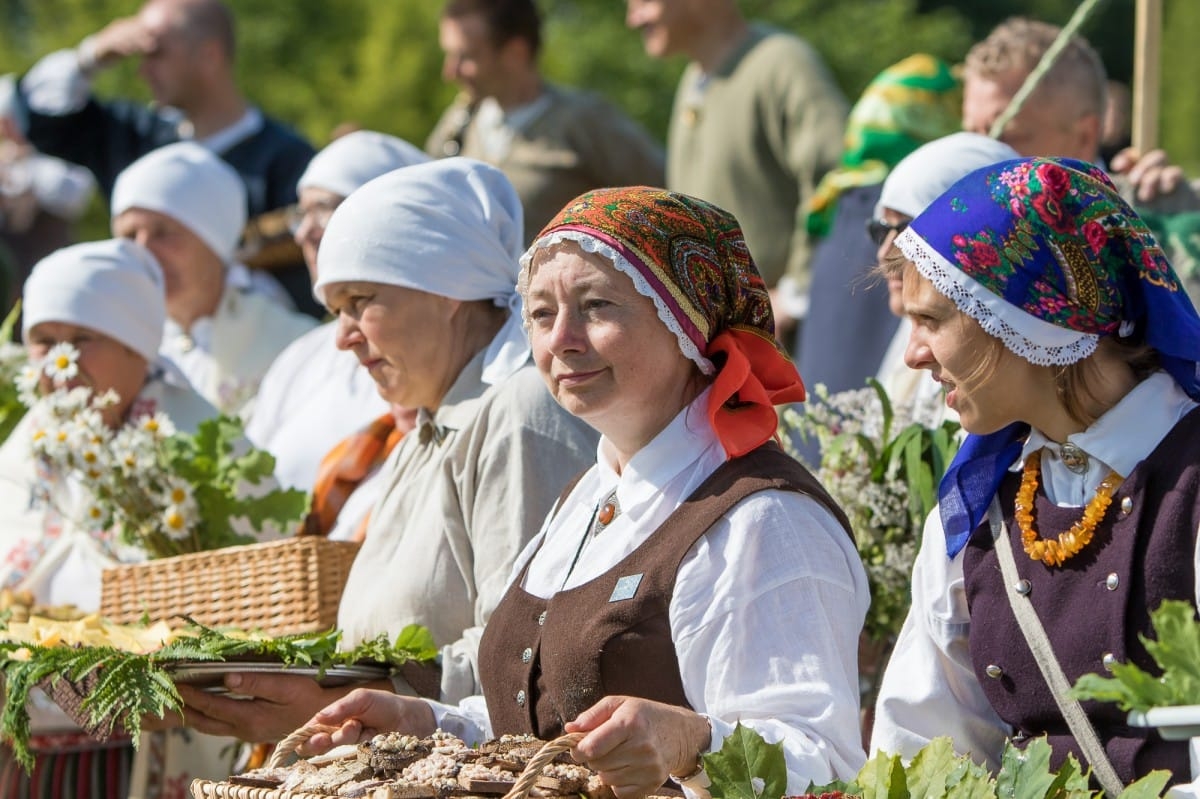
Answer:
(591, 244)
(1033, 339)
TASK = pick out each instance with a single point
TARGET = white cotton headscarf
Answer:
(925, 173)
(450, 227)
(114, 287)
(352, 160)
(192, 186)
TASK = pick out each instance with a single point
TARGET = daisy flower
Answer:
(158, 424)
(95, 517)
(27, 383)
(61, 362)
(178, 493)
(177, 522)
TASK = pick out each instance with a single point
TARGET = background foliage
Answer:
(316, 63)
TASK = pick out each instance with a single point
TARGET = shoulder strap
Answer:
(1043, 653)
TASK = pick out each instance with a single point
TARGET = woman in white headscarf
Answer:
(224, 325)
(107, 300)
(915, 182)
(421, 267)
(314, 395)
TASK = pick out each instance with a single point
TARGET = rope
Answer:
(1082, 12)
(543, 758)
(291, 743)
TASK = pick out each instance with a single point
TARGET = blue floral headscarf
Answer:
(1045, 255)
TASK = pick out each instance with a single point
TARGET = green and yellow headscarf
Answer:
(906, 105)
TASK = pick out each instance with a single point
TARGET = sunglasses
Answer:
(878, 230)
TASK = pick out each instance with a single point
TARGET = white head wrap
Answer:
(450, 227)
(925, 173)
(192, 186)
(349, 162)
(114, 287)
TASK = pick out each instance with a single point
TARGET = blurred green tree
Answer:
(317, 63)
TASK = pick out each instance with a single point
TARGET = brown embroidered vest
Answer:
(1094, 606)
(544, 661)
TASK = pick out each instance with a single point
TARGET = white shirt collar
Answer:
(678, 446)
(1117, 441)
(226, 139)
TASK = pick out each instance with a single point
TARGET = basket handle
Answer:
(291, 743)
(545, 756)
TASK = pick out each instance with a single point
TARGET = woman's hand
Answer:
(635, 744)
(362, 714)
(279, 704)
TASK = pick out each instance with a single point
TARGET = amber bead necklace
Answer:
(1054, 552)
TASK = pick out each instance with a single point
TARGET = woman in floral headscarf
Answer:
(1046, 310)
(695, 576)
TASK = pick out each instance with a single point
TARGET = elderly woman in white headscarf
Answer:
(421, 267)
(224, 324)
(107, 300)
(315, 395)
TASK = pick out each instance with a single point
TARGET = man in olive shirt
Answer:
(757, 121)
(552, 142)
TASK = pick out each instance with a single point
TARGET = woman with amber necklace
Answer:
(1047, 311)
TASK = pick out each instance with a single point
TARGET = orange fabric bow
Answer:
(755, 378)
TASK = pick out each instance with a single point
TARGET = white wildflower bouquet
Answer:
(160, 490)
(882, 466)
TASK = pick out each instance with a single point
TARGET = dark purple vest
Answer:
(543, 662)
(1094, 606)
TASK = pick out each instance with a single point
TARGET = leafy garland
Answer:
(747, 767)
(119, 688)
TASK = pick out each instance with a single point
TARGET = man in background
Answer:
(757, 121)
(187, 50)
(552, 142)
(1064, 116)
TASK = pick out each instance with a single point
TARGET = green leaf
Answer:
(883, 777)
(1148, 787)
(886, 404)
(1070, 782)
(1025, 773)
(1176, 650)
(10, 322)
(934, 769)
(747, 767)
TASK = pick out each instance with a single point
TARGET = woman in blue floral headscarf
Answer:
(1046, 310)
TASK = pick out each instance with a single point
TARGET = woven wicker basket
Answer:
(281, 587)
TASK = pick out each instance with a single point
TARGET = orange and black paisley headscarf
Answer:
(691, 259)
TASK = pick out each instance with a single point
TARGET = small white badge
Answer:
(626, 587)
